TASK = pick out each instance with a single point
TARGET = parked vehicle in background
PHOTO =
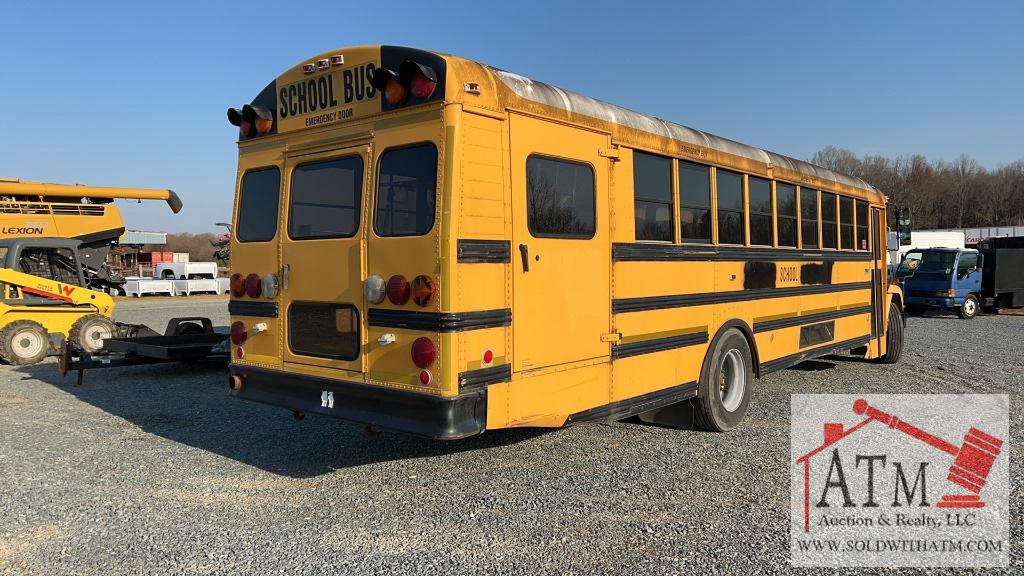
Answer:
(922, 240)
(186, 270)
(964, 280)
(1002, 273)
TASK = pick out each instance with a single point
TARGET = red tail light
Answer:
(421, 80)
(238, 333)
(253, 285)
(237, 285)
(422, 290)
(391, 85)
(423, 353)
(398, 290)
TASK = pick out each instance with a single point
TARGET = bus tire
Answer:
(969, 309)
(24, 342)
(893, 336)
(726, 380)
(88, 333)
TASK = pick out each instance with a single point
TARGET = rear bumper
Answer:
(439, 417)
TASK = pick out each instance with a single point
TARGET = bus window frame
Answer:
(437, 185)
(852, 203)
(358, 204)
(795, 217)
(674, 224)
(238, 208)
(834, 222)
(710, 209)
(743, 211)
(593, 191)
(770, 214)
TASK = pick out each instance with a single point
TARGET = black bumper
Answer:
(439, 417)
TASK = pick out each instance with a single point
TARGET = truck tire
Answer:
(24, 342)
(726, 382)
(88, 333)
(969, 309)
(893, 336)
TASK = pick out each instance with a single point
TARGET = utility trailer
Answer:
(186, 339)
(1002, 273)
(185, 270)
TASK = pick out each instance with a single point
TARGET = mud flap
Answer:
(678, 415)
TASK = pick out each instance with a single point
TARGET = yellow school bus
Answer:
(428, 244)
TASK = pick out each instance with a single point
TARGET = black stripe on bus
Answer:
(246, 308)
(621, 305)
(794, 359)
(636, 252)
(659, 344)
(484, 251)
(797, 320)
(439, 321)
(633, 406)
(484, 376)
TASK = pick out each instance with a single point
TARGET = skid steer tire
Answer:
(88, 333)
(24, 342)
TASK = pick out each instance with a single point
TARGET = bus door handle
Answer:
(285, 272)
(524, 251)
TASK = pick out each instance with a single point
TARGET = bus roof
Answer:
(337, 86)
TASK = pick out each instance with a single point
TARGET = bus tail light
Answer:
(253, 286)
(260, 118)
(238, 334)
(421, 80)
(423, 352)
(398, 290)
(391, 85)
(422, 290)
(269, 285)
(374, 289)
(237, 285)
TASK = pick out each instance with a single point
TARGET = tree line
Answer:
(940, 194)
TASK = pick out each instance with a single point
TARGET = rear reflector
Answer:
(423, 352)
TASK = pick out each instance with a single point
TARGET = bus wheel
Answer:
(725, 383)
(893, 336)
(24, 342)
(969, 309)
(88, 333)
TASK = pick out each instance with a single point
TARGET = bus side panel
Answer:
(547, 399)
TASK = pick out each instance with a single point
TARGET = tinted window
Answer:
(406, 191)
(695, 202)
(652, 197)
(809, 217)
(967, 262)
(58, 264)
(785, 197)
(828, 220)
(325, 199)
(257, 205)
(863, 242)
(730, 208)
(560, 198)
(324, 330)
(761, 229)
(846, 223)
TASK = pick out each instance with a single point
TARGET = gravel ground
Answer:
(157, 470)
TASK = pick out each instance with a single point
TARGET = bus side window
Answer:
(863, 241)
(731, 215)
(809, 217)
(846, 223)
(785, 206)
(695, 202)
(828, 220)
(652, 197)
(761, 228)
(560, 198)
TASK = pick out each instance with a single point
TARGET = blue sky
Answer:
(134, 93)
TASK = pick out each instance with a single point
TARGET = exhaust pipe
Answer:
(235, 383)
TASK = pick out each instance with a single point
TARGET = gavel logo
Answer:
(972, 460)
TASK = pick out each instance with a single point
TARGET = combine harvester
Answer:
(54, 240)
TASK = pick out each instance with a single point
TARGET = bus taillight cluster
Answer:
(254, 286)
(251, 120)
(412, 78)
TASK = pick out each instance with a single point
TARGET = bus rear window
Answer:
(406, 190)
(257, 205)
(325, 199)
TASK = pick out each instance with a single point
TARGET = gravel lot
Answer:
(157, 470)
